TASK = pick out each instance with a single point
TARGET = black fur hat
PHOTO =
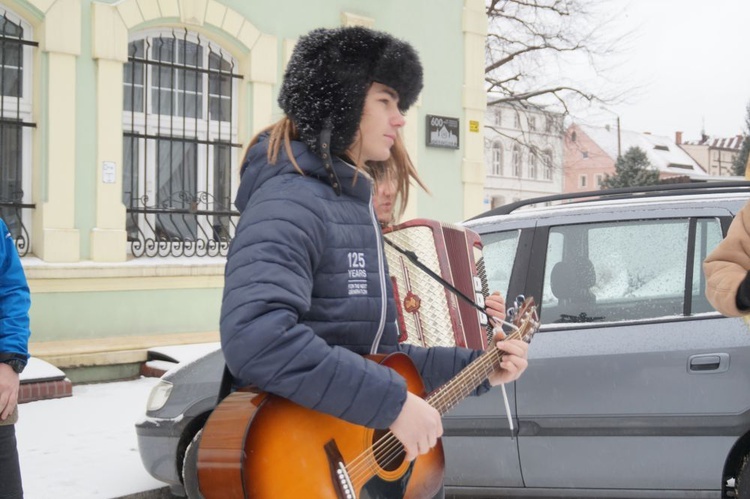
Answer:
(328, 76)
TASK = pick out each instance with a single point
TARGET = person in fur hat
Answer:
(307, 292)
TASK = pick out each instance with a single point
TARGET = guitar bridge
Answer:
(339, 474)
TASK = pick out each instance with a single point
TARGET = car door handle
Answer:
(708, 363)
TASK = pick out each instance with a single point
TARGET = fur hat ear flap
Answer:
(329, 74)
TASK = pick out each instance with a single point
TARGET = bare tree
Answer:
(553, 57)
(546, 52)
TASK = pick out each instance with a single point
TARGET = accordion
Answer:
(429, 312)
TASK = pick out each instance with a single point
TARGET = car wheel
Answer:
(190, 468)
(742, 483)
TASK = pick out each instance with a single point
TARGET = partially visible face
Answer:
(381, 120)
(384, 199)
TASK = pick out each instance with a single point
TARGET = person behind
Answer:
(727, 268)
(305, 293)
(384, 192)
(14, 336)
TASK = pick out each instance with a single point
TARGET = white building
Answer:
(523, 150)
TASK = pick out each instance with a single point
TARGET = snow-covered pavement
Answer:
(85, 446)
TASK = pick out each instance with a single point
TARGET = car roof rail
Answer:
(677, 189)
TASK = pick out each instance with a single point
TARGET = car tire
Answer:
(190, 468)
(742, 483)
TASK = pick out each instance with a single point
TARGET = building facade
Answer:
(591, 153)
(522, 153)
(124, 126)
(716, 155)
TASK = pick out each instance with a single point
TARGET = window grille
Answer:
(179, 146)
(16, 52)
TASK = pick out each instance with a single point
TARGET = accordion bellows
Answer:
(430, 313)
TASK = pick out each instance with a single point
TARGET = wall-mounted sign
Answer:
(442, 131)
(474, 126)
(109, 170)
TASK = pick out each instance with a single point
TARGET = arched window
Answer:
(16, 85)
(497, 158)
(547, 155)
(517, 161)
(532, 165)
(180, 133)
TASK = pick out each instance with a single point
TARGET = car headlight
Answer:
(159, 395)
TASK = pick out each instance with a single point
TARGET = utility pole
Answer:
(619, 136)
(619, 141)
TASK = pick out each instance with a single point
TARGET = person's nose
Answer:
(397, 119)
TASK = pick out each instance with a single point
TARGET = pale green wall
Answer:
(432, 26)
(64, 316)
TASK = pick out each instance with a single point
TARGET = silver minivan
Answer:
(636, 387)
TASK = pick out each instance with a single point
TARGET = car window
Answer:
(623, 271)
(707, 236)
(499, 253)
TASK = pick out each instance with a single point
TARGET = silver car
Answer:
(636, 387)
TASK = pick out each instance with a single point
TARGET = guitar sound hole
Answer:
(388, 451)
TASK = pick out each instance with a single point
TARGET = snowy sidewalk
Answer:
(85, 446)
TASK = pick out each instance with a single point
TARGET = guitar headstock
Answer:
(524, 317)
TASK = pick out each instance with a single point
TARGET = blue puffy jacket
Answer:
(14, 301)
(307, 293)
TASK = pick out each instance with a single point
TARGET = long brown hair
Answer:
(399, 166)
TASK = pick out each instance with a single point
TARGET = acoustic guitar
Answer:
(258, 445)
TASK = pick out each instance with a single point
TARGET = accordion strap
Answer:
(413, 258)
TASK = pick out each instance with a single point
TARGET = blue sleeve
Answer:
(14, 301)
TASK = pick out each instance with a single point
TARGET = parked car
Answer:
(636, 387)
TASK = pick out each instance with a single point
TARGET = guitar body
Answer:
(263, 446)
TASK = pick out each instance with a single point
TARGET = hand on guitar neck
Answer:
(419, 426)
(514, 361)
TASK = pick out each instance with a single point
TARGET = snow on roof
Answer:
(662, 152)
(732, 143)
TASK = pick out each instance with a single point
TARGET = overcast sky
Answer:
(691, 59)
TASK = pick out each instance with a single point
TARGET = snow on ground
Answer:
(85, 446)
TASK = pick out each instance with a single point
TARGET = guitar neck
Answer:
(449, 395)
(465, 382)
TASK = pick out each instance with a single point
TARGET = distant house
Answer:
(523, 153)
(590, 154)
(715, 154)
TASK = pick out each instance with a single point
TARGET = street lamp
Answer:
(619, 142)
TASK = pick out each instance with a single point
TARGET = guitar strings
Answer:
(388, 448)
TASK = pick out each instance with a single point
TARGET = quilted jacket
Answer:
(307, 294)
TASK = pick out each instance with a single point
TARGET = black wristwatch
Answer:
(15, 364)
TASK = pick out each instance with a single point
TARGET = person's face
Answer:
(384, 199)
(379, 125)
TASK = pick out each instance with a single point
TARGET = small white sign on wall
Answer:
(108, 172)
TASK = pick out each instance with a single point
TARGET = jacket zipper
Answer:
(381, 274)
